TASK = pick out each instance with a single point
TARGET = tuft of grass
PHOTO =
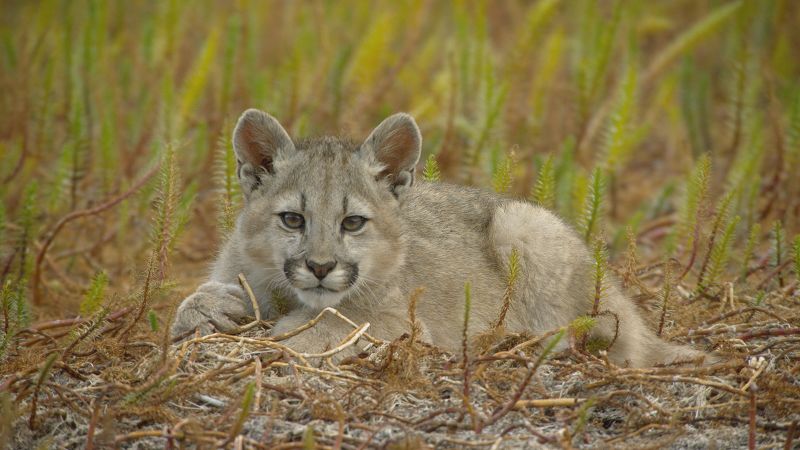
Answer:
(593, 208)
(95, 295)
(465, 328)
(796, 252)
(620, 136)
(152, 320)
(666, 293)
(245, 410)
(309, 441)
(544, 191)
(778, 244)
(3, 231)
(431, 171)
(697, 183)
(599, 274)
(27, 232)
(691, 37)
(753, 238)
(198, 77)
(721, 222)
(582, 325)
(503, 175)
(511, 280)
(228, 193)
(594, 49)
(719, 255)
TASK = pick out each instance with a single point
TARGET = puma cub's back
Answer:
(331, 222)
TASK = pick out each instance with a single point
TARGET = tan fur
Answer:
(418, 234)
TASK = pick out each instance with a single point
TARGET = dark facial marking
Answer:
(303, 202)
(352, 274)
(288, 267)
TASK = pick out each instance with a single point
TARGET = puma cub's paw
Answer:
(213, 307)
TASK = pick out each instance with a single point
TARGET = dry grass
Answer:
(113, 116)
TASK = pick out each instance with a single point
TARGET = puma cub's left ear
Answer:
(395, 145)
(258, 140)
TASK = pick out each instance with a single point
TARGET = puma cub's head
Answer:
(320, 215)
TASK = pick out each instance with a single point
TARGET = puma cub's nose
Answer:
(320, 270)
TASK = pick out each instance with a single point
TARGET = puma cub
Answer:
(330, 222)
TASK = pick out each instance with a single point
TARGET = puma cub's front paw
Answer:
(213, 307)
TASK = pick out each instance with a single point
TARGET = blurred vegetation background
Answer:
(675, 122)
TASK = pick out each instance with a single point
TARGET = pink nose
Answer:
(320, 270)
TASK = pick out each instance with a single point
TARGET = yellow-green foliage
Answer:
(600, 268)
(796, 253)
(691, 37)
(549, 61)
(582, 325)
(695, 196)
(431, 171)
(593, 209)
(309, 441)
(246, 409)
(3, 230)
(620, 134)
(503, 175)
(95, 295)
(544, 191)
(778, 243)
(199, 75)
(793, 136)
(511, 280)
(594, 48)
(152, 320)
(227, 187)
(513, 267)
(752, 240)
(720, 253)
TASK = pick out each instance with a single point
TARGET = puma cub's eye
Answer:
(292, 220)
(353, 223)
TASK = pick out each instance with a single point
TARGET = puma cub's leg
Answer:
(214, 306)
(554, 283)
(555, 286)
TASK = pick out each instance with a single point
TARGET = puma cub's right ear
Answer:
(258, 140)
(395, 145)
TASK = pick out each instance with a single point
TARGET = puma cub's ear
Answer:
(258, 140)
(395, 145)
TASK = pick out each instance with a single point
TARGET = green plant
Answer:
(544, 191)
(752, 240)
(512, 275)
(431, 171)
(593, 208)
(778, 244)
(503, 175)
(691, 211)
(599, 274)
(229, 196)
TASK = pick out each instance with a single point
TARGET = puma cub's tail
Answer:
(639, 346)
(663, 352)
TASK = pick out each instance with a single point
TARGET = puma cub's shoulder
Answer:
(332, 222)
